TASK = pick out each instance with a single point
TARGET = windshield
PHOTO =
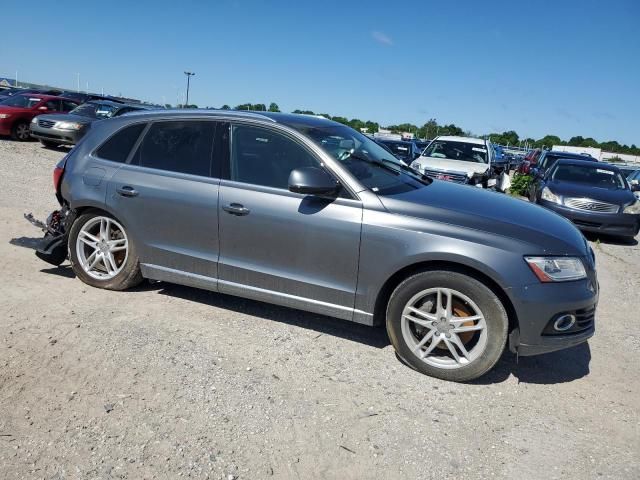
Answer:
(95, 110)
(22, 101)
(452, 150)
(370, 163)
(587, 175)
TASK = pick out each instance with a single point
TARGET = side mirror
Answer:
(313, 181)
(635, 187)
(416, 155)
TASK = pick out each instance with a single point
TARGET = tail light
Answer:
(57, 176)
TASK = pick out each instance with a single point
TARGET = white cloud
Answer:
(382, 38)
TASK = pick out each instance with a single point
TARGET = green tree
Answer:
(225, 107)
(273, 107)
(548, 141)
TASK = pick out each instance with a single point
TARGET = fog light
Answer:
(564, 323)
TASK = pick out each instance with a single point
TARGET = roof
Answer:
(453, 138)
(290, 119)
(116, 104)
(587, 163)
(560, 153)
(44, 96)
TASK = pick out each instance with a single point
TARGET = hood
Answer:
(10, 109)
(446, 165)
(570, 189)
(66, 117)
(540, 231)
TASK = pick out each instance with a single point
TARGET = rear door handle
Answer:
(236, 209)
(127, 191)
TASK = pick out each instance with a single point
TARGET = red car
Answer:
(16, 112)
(530, 160)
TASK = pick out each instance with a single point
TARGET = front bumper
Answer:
(622, 224)
(66, 137)
(537, 305)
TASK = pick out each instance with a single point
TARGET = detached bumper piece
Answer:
(53, 249)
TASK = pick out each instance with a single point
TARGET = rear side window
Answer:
(179, 146)
(117, 148)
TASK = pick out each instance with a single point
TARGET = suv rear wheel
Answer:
(447, 325)
(102, 254)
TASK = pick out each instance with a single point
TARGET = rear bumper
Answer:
(609, 223)
(5, 126)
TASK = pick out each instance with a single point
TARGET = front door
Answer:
(282, 247)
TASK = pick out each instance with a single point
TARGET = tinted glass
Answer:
(117, 148)
(182, 146)
(596, 177)
(53, 105)
(263, 157)
(67, 106)
(21, 101)
(400, 149)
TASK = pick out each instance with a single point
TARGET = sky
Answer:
(564, 67)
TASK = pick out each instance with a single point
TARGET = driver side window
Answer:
(260, 156)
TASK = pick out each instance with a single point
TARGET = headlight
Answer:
(556, 269)
(633, 209)
(5, 115)
(416, 166)
(68, 125)
(549, 196)
(34, 120)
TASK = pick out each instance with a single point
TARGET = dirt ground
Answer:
(168, 381)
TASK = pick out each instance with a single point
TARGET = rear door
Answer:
(283, 247)
(167, 196)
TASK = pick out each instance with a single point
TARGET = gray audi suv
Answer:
(304, 212)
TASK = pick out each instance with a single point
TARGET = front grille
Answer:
(588, 205)
(455, 177)
(46, 123)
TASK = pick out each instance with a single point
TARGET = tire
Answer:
(483, 340)
(20, 131)
(49, 144)
(123, 273)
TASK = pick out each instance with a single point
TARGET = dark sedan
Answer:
(54, 130)
(405, 151)
(595, 197)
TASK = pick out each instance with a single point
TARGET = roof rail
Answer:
(201, 111)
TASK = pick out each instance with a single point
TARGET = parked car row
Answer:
(60, 119)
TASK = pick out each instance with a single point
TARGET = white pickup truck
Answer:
(462, 160)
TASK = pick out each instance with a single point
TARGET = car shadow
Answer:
(557, 367)
(551, 368)
(374, 337)
(610, 239)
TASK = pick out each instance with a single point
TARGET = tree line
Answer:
(432, 129)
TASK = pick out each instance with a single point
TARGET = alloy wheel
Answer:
(444, 328)
(102, 248)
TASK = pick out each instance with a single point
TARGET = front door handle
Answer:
(236, 209)
(127, 191)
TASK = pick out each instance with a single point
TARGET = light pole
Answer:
(189, 75)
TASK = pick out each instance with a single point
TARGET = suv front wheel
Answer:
(102, 254)
(447, 325)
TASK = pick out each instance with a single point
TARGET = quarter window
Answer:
(263, 157)
(117, 148)
(177, 146)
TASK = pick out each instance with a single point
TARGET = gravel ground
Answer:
(168, 381)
